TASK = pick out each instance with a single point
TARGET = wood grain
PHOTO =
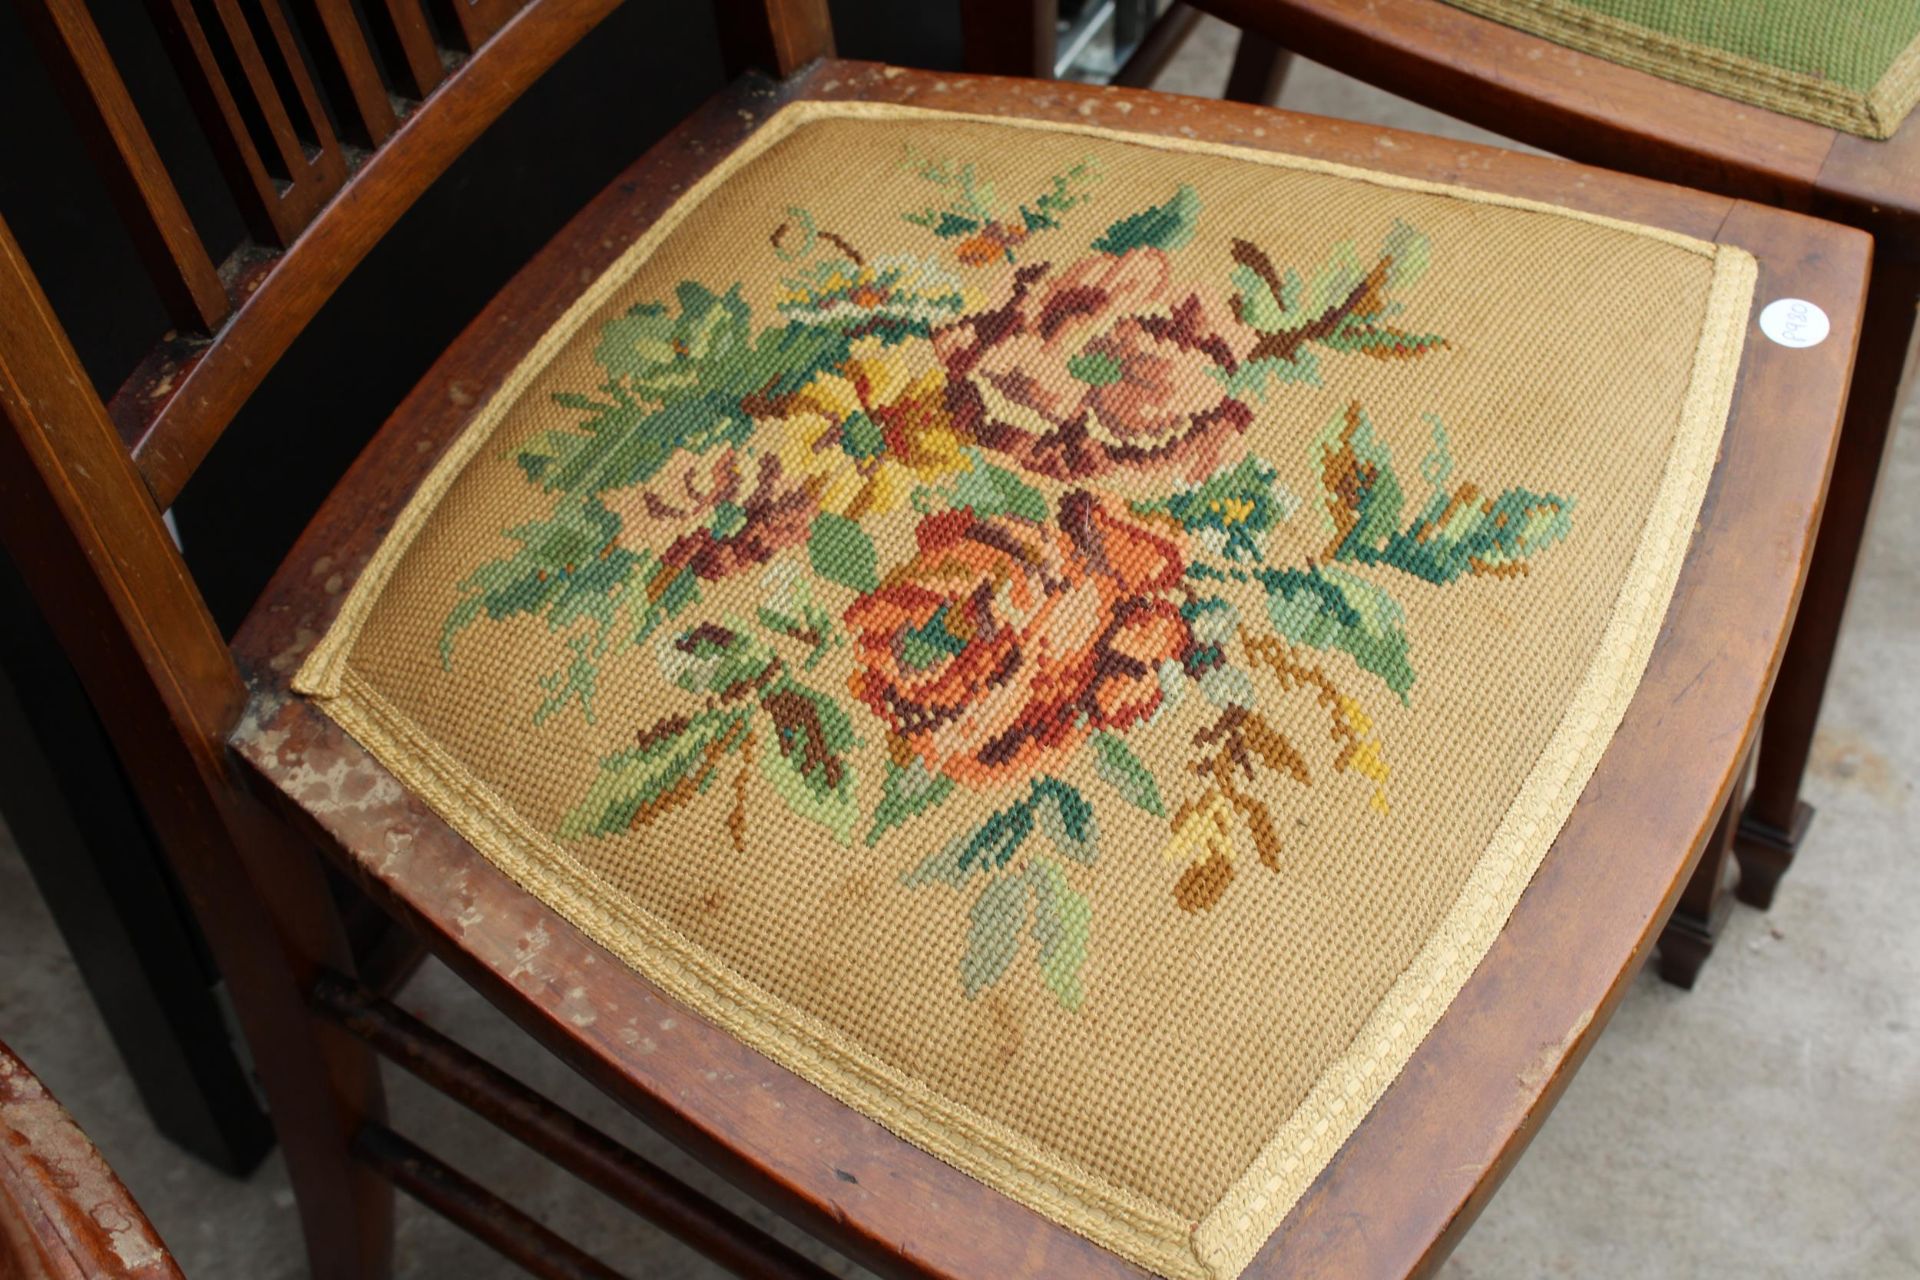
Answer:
(1421, 1166)
(63, 1213)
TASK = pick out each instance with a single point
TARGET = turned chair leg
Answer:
(1259, 70)
(1702, 912)
(1776, 818)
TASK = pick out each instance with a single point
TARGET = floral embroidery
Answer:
(1010, 410)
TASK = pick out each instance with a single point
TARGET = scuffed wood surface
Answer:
(1435, 1148)
(63, 1215)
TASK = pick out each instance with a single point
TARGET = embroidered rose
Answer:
(1101, 366)
(1003, 643)
(715, 513)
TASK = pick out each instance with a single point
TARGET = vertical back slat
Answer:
(406, 42)
(474, 20)
(77, 59)
(347, 69)
(278, 181)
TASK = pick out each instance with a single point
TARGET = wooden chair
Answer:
(63, 1215)
(1599, 112)
(83, 485)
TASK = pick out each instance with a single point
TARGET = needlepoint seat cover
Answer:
(1073, 642)
(1853, 67)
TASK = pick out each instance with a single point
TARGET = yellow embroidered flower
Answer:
(868, 431)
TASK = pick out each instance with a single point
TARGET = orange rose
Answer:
(1101, 366)
(1003, 643)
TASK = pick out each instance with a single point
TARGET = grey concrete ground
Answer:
(1765, 1125)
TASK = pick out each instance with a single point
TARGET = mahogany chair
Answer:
(1600, 112)
(83, 485)
(63, 1215)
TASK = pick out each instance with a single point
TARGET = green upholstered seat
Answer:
(1852, 65)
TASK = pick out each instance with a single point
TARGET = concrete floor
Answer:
(1765, 1125)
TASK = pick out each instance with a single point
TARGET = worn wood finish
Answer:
(1776, 818)
(1598, 112)
(1434, 1149)
(570, 1142)
(63, 1214)
(347, 69)
(76, 58)
(88, 540)
(1569, 103)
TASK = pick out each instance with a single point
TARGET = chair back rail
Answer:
(329, 120)
(82, 489)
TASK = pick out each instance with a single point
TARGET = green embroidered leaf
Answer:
(674, 762)
(995, 491)
(1230, 507)
(907, 793)
(1062, 919)
(566, 567)
(1328, 608)
(1381, 341)
(810, 768)
(1363, 497)
(1345, 307)
(664, 357)
(1066, 817)
(715, 658)
(1466, 532)
(1408, 254)
(997, 916)
(841, 552)
(1251, 378)
(1163, 226)
(1115, 762)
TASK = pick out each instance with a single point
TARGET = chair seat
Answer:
(1074, 642)
(1858, 72)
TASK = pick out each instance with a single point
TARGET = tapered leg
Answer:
(1259, 70)
(1776, 818)
(1704, 905)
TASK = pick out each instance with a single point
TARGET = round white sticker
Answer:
(1794, 322)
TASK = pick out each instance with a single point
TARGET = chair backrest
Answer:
(330, 118)
(63, 1213)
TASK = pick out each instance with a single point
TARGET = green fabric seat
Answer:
(1853, 66)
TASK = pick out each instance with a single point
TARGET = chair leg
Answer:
(322, 1086)
(1776, 818)
(1704, 905)
(1259, 70)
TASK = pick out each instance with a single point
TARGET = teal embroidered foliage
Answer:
(1344, 306)
(1038, 890)
(1457, 532)
(973, 213)
(1324, 607)
(1166, 226)
(754, 706)
(996, 493)
(1230, 509)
